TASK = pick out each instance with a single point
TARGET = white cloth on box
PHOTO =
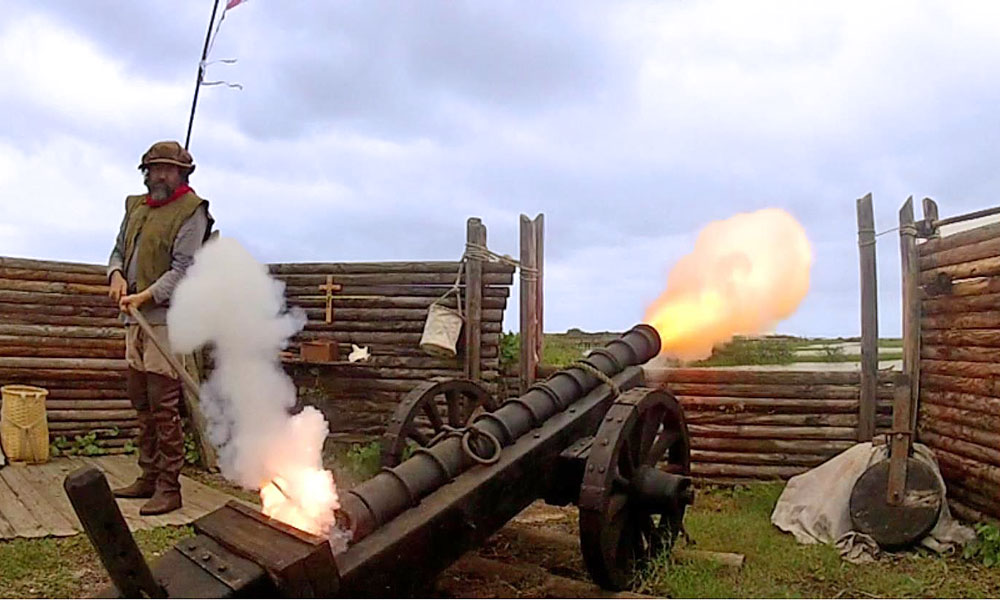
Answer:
(814, 507)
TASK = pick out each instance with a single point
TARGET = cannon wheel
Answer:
(644, 427)
(429, 409)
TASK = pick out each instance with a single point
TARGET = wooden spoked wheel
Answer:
(642, 436)
(432, 408)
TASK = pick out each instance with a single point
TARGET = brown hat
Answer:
(170, 153)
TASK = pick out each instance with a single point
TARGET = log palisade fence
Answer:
(762, 424)
(60, 331)
(959, 365)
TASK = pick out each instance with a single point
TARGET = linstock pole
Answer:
(201, 74)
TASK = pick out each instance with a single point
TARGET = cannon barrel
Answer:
(565, 440)
(393, 490)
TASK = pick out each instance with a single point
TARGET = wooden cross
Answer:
(330, 287)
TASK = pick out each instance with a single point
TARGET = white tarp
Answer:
(814, 505)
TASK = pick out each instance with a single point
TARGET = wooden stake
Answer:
(911, 304)
(539, 226)
(475, 234)
(869, 319)
(899, 449)
(529, 304)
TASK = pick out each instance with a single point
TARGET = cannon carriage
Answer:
(457, 469)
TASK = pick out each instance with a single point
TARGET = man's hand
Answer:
(135, 300)
(118, 286)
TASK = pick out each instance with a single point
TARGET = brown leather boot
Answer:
(164, 398)
(145, 485)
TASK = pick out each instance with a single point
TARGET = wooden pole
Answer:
(869, 319)
(911, 304)
(539, 285)
(201, 75)
(931, 218)
(475, 235)
(191, 398)
(899, 450)
(529, 305)
(102, 521)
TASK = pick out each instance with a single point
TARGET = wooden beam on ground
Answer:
(732, 560)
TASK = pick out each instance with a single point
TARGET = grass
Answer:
(738, 520)
(561, 349)
(68, 567)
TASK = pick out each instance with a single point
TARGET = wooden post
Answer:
(869, 319)
(899, 446)
(529, 304)
(931, 218)
(102, 521)
(539, 285)
(909, 269)
(475, 235)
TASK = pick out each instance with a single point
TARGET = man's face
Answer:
(162, 180)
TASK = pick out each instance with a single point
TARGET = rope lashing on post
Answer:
(475, 251)
(863, 243)
(902, 229)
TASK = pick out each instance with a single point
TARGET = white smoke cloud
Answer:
(228, 300)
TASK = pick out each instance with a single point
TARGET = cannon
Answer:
(590, 434)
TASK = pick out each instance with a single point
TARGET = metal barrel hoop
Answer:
(579, 379)
(550, 393)
(437, 460)
(500, 424)
(536, 420)
(619, 367)
(467, 446)
(412, 496)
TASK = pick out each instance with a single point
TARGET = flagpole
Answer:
(201, 74)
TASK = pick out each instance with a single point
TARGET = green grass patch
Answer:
(559, 349)
(68, 567)
(751, 351)
(739, 520)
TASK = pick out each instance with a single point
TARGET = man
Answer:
(156, 243)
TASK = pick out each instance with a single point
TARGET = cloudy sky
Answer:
(372, 130)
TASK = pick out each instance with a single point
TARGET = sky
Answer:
(372, 130)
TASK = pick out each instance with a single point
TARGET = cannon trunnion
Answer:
(589, 435)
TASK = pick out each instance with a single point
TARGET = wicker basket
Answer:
(24, 430)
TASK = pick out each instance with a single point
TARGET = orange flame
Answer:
(305, 498)
(745, 274)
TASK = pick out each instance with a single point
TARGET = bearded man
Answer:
(156, 243)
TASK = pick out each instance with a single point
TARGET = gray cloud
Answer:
(371, 131)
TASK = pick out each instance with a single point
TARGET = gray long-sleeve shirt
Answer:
(189, 239)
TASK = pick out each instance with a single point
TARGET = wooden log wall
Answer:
(959, 409)
(60, 331)
(383, 306)
(763, 424)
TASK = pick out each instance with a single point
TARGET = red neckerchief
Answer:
(180, 191)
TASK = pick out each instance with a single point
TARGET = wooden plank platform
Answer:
(33, 503)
